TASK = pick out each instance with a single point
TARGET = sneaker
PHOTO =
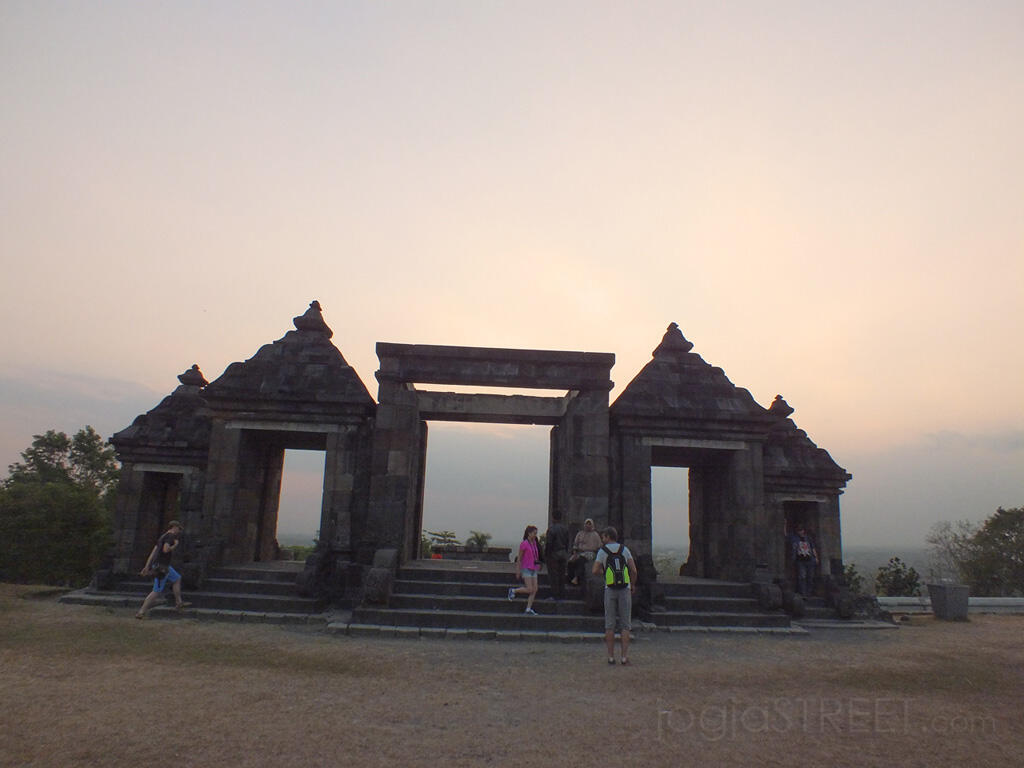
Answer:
(530, 611)
(611, 661)
(625, 663)
(511, 593)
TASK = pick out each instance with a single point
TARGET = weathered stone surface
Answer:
(378, 586)
(177, 431)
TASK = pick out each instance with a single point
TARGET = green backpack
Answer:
(616, 572)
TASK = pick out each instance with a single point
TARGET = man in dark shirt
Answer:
(158, 565)
(556, 557)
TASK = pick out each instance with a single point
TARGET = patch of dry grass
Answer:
(91, 687)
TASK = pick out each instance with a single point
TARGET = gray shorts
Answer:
(618, 604)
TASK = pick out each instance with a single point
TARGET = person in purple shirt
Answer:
(527, 568)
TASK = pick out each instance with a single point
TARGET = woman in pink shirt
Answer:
(527, 567)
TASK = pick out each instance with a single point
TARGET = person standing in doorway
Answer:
(527, 567)
(556, 556)
(805, 557)
(615, 561)
(158, 565)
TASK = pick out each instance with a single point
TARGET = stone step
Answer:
(476, 589)
(120, 600)
(222, 585)
(286, 573)
(488, 620)
(712, 603)
(706, 589)
(719, 619)
(482, 575)
(548, 620)
(250, 586)
(207, 600)
(485, 604)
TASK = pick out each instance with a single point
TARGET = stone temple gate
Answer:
(211, 454)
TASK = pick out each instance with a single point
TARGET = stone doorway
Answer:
(488, 478)
(670, 515)
(250, 534)
(578, 466)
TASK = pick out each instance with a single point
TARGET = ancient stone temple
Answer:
(211, 455)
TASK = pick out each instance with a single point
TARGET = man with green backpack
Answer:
(615, 561)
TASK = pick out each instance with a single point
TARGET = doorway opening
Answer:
(301, 500)
(489, 478)
(670, 519)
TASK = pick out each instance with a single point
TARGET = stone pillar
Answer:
(126, 519)
(339, 487)
(772, 539)
(829, 541)
(271, 470)
(743, 509)
(631, 513)
(583, 458)
(221, 486)
(394, 485)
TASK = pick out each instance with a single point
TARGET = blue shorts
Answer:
(159, 585)
(528, 573)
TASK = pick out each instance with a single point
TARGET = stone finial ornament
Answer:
(312, 320)
(193, 377)
(673, 341)
(780, 407)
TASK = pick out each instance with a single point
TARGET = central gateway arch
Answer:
(579, 464)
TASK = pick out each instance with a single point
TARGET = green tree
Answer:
(443, 538)
(988, 558)
(85, 460)
(897, 579)
(478, 541)
(55, 508)
(994, 566)
(949, 547)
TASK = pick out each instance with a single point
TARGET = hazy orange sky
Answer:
(828, 198)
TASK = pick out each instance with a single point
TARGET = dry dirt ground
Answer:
(83, 686)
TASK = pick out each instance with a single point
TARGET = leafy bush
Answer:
(897, 579)
(854, 581)
(52, 533)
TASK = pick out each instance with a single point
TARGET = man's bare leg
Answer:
(151, 598)
(609, 641)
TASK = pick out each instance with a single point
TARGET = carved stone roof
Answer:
(677, 393)
(793, 462)
(177, 431)
(301, 376)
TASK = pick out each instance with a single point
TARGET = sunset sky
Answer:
(828, 198)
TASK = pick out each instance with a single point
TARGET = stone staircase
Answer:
(257, 592)
(447, 598)
(432, 598)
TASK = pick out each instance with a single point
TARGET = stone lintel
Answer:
(683, 442)
(511, 409)
(173, 469)
(485, 366)
(783, 497)
(284, 426)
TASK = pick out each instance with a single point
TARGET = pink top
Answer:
(528, 555)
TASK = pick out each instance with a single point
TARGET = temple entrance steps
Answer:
(263, 592)
(440, 595)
